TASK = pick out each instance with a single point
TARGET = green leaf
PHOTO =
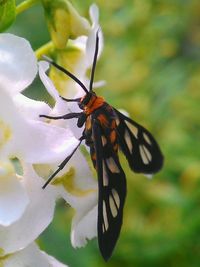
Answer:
(7, 13)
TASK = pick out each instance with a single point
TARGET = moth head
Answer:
(86, 99)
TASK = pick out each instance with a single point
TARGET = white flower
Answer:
(22, 135)
(18, 65)
(30, 140)
(80, 192)
(78, 63)
(76, 184)
(35, 215)
(79, 58)
(30, 256)
(13, 197)
(25, 208)
(80, 189)
(83, 196)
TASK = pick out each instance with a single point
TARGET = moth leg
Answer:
(64, 117)
(81, 120)
(63, 163)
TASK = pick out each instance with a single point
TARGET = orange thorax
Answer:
(94, 103)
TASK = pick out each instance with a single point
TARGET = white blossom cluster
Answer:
(38, 146)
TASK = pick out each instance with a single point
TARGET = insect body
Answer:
(101, 136)
(106, 131)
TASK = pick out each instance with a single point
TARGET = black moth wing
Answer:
(138, 145)
(112, 191)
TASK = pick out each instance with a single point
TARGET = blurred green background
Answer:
(151, 64)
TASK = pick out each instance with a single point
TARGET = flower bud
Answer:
(64, 22)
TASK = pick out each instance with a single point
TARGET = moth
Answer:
(106, 131)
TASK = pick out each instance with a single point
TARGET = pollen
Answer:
(2, 253)
(68, 181)
(5, 133)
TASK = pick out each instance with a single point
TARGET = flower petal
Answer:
(80, 191)
(79, 59)
(61, 106)
(37, 216)
(44, 143)
(13, 197)
(33, 141)
(81, 194)
(53, 262)
(84, 228)
(43, 67)
(91, 41)
(31, 256)
(30, 108)
(18, 64)
(94, 14)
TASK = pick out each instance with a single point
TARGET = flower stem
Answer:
(25, 5)
(44, 50)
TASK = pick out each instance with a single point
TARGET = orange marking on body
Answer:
(113, 124)
(112, 136)
(88, 123)
(103, 120)
(94, 103)
(94, 156)
(115, 147)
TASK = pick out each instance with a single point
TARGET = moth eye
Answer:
(145, 154)
(105, 175)
(128, 140)
(146, 138)
(116, 197)
(113, 206)
(105, 218)
(134, 130)
(112, 165)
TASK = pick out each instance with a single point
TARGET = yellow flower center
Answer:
(5, 133)
(68, 181)
(2, 252)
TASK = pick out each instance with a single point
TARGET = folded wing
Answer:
(112, 191)
(138, 145)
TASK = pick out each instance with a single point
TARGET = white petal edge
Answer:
(13, 197)
(31, 256)
(46, 144)
(94, 14)
(61, 106)
(18, 64)
(43, 67)
(84, 200)
(30, 140)
(30, 108)
(84, 228)
(90, 44)
(37, 216)
(82, 195)
(84, 177)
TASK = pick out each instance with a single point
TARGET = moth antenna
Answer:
(94, 60)
(68, 73)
